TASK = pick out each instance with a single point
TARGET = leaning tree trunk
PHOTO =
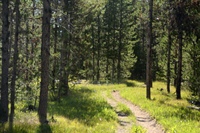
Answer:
(5, 63)
(45, 53)
(15, 58)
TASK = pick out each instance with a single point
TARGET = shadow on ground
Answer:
(129, 84)
(44, 128)
(82, 104)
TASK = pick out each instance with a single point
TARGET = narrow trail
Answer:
(124, 121)
(142, 118)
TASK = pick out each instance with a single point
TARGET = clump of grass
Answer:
(124, 109)
(138, 129)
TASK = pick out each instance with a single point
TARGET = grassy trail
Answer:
(86, 111)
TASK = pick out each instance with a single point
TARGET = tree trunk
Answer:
(93, 67)
(169, 54)
(180, 36)
(148, 75)
(27, 41)
(120, 44)
(45, 53)
(33, 28)
(113, 58)
(5, 62)
(11, 34)
(15, 58)
(98, 52)
(55, 51)
(178, 88)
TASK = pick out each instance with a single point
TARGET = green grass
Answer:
(124, 109)
(85, 110)
(171, 113)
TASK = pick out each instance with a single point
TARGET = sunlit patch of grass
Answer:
(171, 113)
(124, 109)
(138, 129)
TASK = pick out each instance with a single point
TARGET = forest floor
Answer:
(142, 118)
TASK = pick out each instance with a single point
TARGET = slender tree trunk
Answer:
(61, 72)
(45, 53)
(180, 36)
(175, 66)
(93, 67)
(107, 58)
(15, 58)
(113, 59)
(148, 80)
(27, 41)
(11, 33)
(5, 63)
(151, 67)
(33, 28)
(169, 54)
(120, 44)
(98, 52)
(55, 51)
(178, 88)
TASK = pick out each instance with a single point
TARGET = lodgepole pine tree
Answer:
(45, 53)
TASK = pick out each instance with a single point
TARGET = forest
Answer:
(80, 65)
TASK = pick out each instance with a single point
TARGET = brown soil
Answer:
(142, 118)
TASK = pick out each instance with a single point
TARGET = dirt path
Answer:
(142, 117)
(124, 121)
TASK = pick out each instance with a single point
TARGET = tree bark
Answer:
(113, 58)
(179, 18)
(169, 54)
(11, 34)
(55, 51)
(98, 52)
(45, 53)
(120, 44)
(93, 67)
(15, 58)
(148, 75)
(5, 62)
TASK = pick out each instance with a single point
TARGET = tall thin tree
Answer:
(5, 62)
(15, 58)
(45, 53)
(169, 51)
(148, 75)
